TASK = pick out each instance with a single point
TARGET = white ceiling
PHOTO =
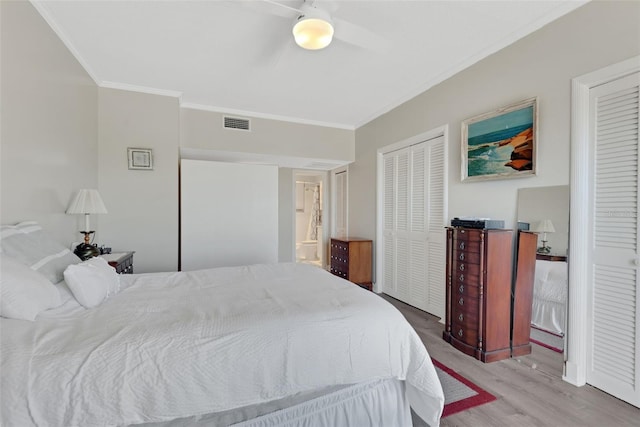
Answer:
(239, 57)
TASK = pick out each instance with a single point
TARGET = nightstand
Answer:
(121, 261)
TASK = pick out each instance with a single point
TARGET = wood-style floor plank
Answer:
(529, 389)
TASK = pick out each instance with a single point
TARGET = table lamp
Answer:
(86, 201)
(544, 227)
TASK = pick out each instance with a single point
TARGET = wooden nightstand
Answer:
(351, 260)
(121, 261)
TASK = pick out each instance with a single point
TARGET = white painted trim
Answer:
(141, 89)
(334, 203)
(580, 236)
(267, 116)
(42, 10)
(425, 136)
(325, 200)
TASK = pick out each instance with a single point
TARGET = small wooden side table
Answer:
(121, 261)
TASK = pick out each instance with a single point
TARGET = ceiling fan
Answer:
(314, 27)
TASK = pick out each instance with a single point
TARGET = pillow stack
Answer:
(23, 292)
(33, 262)
(27, 243)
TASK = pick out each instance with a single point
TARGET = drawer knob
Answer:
(461, 278)
(461, 257)
(460, 333)
(461, 267)
(461, 317)
(461, 289)
(461, 301)
(461, 245)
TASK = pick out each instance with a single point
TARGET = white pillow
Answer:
(29, 244)
(92, 281)
(23, 292)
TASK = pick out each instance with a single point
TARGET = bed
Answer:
(260, 345)
(550, 291)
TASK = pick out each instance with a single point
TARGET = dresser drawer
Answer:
(466, 257)
(465, 235)
(468, 335)
(465, 273)
(466, 246)
(465, 304)
(465, 318)
(465, 290)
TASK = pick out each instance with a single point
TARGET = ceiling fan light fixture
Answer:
(313, 33)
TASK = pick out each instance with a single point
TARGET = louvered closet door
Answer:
(413, 225)
(613, 362)
(435, 222)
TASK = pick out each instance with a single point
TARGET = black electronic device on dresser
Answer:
(479, 223)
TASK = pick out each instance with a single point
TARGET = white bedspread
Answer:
(550, 292)
(177, 344)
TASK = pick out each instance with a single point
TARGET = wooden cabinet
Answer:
(523, 293)
(478, 292)
(351, 260)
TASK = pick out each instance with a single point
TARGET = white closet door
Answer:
(413, 225)
(229, 214)
(435, 223)
(613, 360)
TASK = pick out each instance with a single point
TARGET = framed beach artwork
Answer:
(501, 144)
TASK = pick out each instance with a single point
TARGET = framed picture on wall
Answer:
(140, 158)
(501, 144)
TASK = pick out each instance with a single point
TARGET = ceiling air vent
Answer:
(236, 123)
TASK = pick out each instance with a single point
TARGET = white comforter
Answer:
(550, 290)
(171, 345)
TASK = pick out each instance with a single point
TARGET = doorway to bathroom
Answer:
(309, 213)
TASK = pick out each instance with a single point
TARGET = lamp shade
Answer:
(313, 30)
(544, 226)
(87, 201)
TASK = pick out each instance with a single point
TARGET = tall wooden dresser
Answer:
(351, 260)
(478, 295)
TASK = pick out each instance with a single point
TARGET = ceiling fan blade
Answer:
(269, 7)
(358, 36)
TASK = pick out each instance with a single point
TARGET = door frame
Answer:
(323, 174)
(580, 233)
(425, 136)
(334, 198)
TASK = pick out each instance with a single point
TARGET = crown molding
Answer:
(42, 10)
(141, 89)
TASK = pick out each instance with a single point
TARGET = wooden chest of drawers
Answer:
(478, 297)
(351, 260)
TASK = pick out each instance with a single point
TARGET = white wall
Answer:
(203, 130)
(540, 65)
(142, 204)
(49, 132)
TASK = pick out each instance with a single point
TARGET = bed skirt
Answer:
(376, 403)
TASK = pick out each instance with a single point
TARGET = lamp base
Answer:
(85, 251)
(544, 250)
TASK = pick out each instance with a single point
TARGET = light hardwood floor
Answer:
(529, 389)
